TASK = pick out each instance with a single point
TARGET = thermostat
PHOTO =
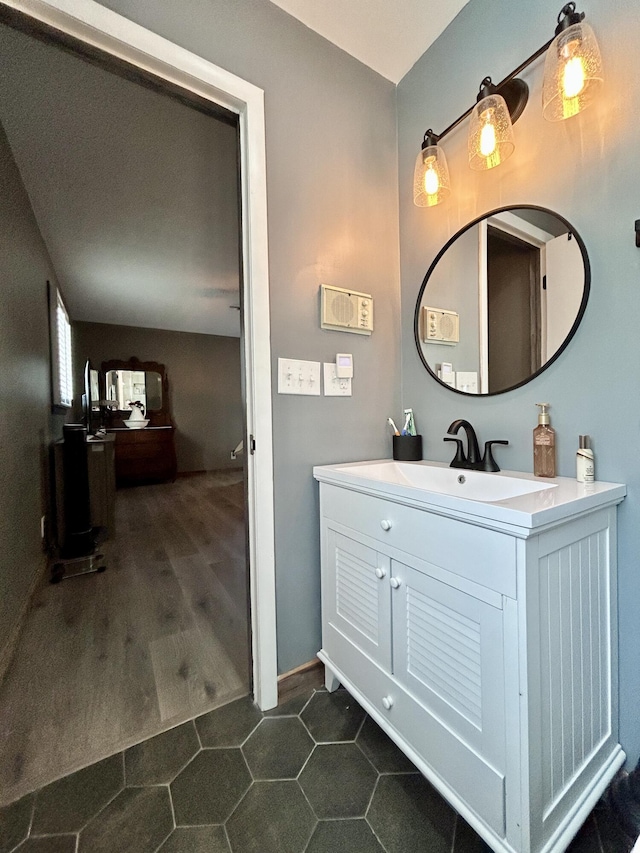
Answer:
(344, 365)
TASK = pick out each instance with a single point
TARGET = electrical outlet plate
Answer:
(333, 385)
(298, 377)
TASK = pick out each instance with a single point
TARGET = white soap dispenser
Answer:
(585, 462)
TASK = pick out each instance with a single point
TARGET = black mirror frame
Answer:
(572, 330)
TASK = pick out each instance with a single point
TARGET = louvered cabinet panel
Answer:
(448, 652)
(356, 598)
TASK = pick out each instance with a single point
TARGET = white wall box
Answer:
(485, 648)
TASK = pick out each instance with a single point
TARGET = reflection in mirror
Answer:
(127, 386)
(94, 385)
(502, 300)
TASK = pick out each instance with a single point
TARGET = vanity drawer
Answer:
(484, 556)
(473, 779)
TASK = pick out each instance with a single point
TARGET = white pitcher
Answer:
(138, 411)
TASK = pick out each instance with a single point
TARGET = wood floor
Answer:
(107, 660)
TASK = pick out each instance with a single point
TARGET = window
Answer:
(61, 361)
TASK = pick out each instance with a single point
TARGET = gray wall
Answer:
(204, 384)
(585, 168)
(332, 201)
(453, 286)
(25, 395)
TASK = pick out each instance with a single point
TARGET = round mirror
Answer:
(502, 300)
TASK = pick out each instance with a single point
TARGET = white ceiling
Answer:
(387, 35)
(134, 193)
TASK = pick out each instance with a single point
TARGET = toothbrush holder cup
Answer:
(407, 448)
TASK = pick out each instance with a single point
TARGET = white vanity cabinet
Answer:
(485, 649)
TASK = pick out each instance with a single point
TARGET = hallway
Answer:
(108, 660)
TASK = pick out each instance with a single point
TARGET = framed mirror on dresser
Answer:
(138, 411)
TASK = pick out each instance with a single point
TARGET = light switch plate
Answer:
(298, 377)
(333, 385)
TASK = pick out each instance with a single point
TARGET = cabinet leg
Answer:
(330, 680)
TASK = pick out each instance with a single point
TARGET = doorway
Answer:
(96, 29)
(514, 320)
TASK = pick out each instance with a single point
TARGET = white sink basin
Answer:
(505, 498)
(457, 482)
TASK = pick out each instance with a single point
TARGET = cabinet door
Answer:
(448, 652)
(356, 600)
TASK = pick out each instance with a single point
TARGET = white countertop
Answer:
(554, 499)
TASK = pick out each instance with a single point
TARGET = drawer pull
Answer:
(395, 582)
(380, 573)
(385, 525)
(387, 702)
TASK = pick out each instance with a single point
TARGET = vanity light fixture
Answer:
(572, 68)
(490, 129)
(573, 73)
(431, 183)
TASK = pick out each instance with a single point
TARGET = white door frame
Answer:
(97, 26)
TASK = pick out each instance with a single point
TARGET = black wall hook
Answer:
(638, 233)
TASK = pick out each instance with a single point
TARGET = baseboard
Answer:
(310, 674)
(8, 650)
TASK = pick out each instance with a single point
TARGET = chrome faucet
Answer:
(471, 459)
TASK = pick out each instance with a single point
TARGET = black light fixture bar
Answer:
(438, 136)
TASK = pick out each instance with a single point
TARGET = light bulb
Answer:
(431, 180)
(490, 139)
(573, 77)
(487, 135)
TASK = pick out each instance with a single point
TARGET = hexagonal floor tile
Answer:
(67, 805)
(468, 841)
(344, 836)
(156, 761)
(229, 725)
(338, 781)
(196, 839)
(278, 748)
(49, 844)
(274, 817)
(292, 707)
(381, 750)
(407, 813)
(333, 717)
(612, 834)
(139, 819)
(14, 823)
(210, 787)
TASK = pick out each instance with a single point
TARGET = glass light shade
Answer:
(572, 72)
(490, 133)
(431, 183)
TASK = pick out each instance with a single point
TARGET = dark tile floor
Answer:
(315, 775)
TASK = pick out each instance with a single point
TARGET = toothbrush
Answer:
(410, 425)
(393, 426)
(405, 429)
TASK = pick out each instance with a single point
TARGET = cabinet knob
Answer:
(385, 525)
(380, 573)
(387, 702)
(395, 583)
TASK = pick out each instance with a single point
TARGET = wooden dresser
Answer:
(144, 455)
